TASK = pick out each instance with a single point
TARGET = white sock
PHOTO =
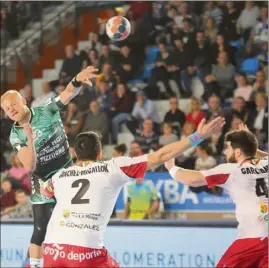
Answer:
(35, 263)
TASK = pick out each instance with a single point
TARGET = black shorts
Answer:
(42, 214)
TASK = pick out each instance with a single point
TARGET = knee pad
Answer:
(39, 233)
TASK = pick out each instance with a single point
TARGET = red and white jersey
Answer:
(86, 197)
(247, 184)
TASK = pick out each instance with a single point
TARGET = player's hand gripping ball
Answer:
(118, 28)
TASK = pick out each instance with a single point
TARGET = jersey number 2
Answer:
(261, 187)
(84, 186)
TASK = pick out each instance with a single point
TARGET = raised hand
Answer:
(29, 133)
(206, 130)
(243, 126)
(86, 74)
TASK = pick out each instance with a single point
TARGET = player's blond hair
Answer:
(10, 92)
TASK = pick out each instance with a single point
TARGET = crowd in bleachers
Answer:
(223, 45)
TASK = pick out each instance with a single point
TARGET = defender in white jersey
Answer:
(86, 194)
(246, 180)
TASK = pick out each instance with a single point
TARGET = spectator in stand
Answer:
(95, 42)
(212, 10)
(72, 65)
(27, 93)
(142, 201)
(135, 149)
(107, 75)
(184, 12)
(95, 120)
(229, 24)
(159, 73)
(105, 57)
(177, 61)
(137, 39)
(104, 97)
(121, 107)
(143, 109)
(85, 96)
(119, 150)
(260, 84)
(204, 159)
(23, 208)
(47, 93)
(126, 65)
(222, 45)
(146, 137)
(167, 136)
(201, 62)
(221, 80)
(7, 197)
(175, 116)
(239, 108)
(187, 34)
(19, 174)
(214, 108)
(211, 30)
(92, 58)
(258, 118)
(196, 114)
(231, 125)
(244, 88)
(259, 33)
(248, 19)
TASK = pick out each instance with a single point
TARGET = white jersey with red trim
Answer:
(247, 185)
(86, 197)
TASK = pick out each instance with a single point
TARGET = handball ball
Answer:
(118, 28)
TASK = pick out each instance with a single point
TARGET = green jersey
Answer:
(51, 145)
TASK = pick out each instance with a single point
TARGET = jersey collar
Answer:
(32, 113)
(250, 160)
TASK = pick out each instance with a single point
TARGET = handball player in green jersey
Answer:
(51, 147)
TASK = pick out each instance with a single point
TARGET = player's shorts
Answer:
(246, 253)
(61, 255)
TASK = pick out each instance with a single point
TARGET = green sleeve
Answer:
(54, 105)
(16, 141)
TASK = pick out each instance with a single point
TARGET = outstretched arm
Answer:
(73, 88)
(177, 148)
(259, 152)
(186, 176)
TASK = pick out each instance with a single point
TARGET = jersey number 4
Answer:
(84, 186)
(261, 187)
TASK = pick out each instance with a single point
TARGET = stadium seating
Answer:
(250, 66)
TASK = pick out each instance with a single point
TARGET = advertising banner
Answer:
(138, 246)
(178, 197)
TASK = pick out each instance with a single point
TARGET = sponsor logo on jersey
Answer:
(92, 216)
(263, 211)
(82, 226)
(66, 213)
(81, 215)
(263, 207)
